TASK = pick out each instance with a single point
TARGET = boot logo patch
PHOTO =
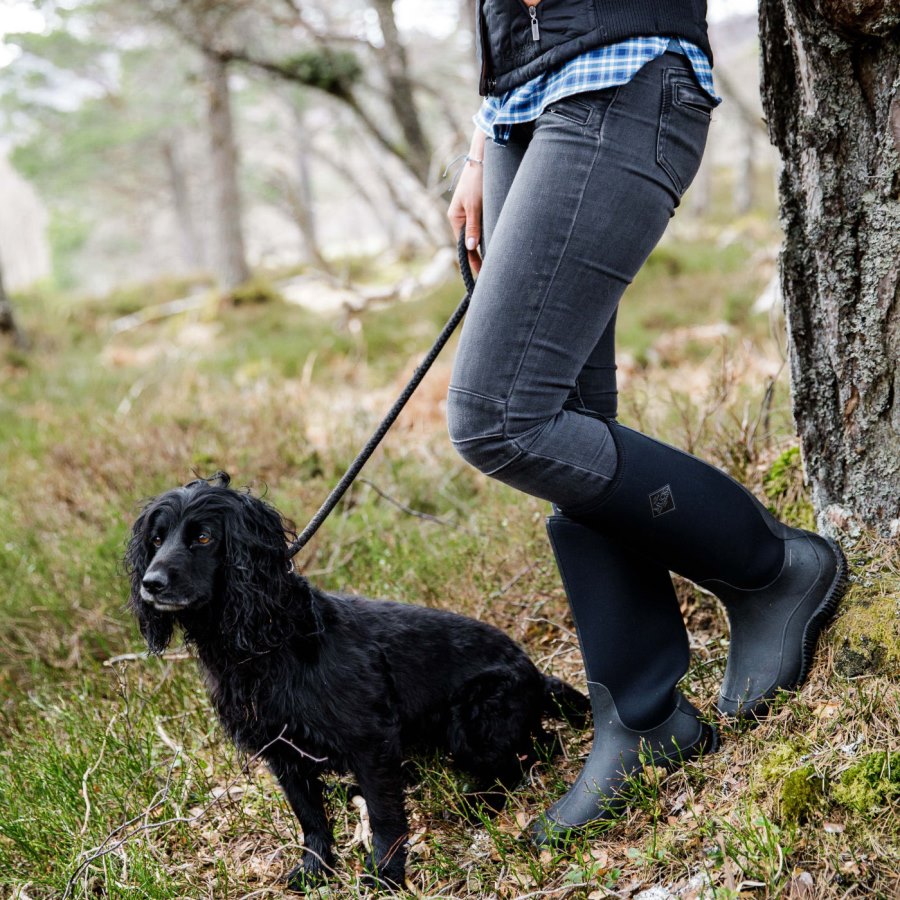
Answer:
(662, 501)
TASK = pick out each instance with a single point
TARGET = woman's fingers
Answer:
(465, 211)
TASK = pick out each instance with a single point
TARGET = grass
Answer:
(115, 780)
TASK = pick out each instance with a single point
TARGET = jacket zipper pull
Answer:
(535, 28)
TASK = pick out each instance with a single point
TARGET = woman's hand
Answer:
(466, 204)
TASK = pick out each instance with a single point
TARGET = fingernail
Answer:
(470, 243)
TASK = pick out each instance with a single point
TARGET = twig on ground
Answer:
(407, 509)
(155, 313)
(131, 657)
(544, 662)
(563, 889)
(175, 748)
(284, 740)
(514, 580)
(90, 771)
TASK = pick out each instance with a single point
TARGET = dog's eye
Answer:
(157, 542)
(203, 538)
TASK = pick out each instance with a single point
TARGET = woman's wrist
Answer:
(475, 156)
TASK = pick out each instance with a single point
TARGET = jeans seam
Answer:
(509, 462)
(591, 506)
(488, 397)
(553, 110)
(565, 462)
(458, 442)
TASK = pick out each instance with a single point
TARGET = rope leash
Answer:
(363, 456)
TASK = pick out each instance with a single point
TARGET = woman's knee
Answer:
(477, 426)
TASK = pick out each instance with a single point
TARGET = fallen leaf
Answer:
(801, 887)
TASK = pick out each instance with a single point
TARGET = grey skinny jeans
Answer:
(573, 205)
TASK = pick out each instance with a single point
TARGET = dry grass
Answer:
(114, 778)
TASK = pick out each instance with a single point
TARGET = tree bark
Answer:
(8, 324)
(385, 215)
(297, 191)
(230, 260)
(831, 92)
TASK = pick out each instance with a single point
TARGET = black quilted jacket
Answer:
(516, 42)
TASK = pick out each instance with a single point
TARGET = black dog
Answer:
(316, 682)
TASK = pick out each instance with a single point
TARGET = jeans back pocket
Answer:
(683, 126)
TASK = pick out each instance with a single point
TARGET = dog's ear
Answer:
(257, 574)
(156, 626)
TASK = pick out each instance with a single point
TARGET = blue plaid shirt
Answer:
(594, 70)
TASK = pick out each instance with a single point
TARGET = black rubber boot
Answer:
(635, 649)
(601, 791)
(779, 585)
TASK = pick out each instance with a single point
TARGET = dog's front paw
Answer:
(309, 874)
(388, 874)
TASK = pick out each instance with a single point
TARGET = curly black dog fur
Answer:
(316, 682)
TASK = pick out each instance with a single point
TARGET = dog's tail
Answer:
(562, 701)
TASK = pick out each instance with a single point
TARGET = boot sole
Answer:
(824, 614)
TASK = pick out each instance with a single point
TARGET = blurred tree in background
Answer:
(168, 123)
(103, 123)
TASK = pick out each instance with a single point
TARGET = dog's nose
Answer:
(154, 582)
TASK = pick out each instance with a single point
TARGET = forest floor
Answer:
(115, 778)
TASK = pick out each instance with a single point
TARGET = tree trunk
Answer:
(400, 91)
(831, 91)
(229, 257)
(300, 195)
(745, 173)
(8, 324)
(190, 246)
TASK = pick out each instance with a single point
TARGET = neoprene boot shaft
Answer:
(632, 635)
